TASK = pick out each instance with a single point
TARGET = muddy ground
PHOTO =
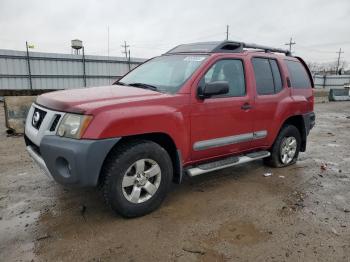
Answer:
(300, 213)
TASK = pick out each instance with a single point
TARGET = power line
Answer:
(291, 43)
(330, 44)
(314, 50)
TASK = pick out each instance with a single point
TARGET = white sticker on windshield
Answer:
(194, 58)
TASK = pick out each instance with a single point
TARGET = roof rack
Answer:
(223, 47)
(267, 48)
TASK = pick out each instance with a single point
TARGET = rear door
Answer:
(221, 125)
(271, 94)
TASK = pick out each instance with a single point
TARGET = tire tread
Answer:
(113, 161)
(274, 159)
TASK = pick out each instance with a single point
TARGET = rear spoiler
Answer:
(307, 70)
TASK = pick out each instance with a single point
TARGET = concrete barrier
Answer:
(339, 95)
(321, 96)
(16, 109)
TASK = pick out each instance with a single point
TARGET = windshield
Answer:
(164, 73)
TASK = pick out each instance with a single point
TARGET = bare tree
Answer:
(324, 68)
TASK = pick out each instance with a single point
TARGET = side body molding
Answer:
(228, 140)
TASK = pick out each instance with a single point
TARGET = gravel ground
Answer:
(300, 213)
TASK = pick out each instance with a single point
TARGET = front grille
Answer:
(38, 117)
(55, 122)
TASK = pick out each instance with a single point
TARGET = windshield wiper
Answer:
(118, 83)
(142, 85)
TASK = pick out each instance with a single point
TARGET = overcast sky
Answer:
(151, 27)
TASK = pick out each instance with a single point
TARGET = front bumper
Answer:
(38, 159)
(71, 161)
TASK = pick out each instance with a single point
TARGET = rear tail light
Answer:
(311, 100)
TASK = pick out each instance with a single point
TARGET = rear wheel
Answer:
(285, 150)
(137, 178)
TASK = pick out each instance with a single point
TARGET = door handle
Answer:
(246, 106)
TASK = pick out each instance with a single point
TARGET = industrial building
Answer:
(20, 70)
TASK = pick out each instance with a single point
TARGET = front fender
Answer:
(137, 120)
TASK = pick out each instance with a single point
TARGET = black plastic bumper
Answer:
(75, 162)
(309, 121)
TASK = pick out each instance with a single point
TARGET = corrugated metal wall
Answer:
(331, 81)
(59, 71)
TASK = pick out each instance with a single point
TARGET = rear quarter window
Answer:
(298, 75)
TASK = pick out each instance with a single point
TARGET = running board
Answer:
(226, 162)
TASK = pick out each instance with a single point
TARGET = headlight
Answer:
(73, 125)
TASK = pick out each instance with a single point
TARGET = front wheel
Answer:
(137, 177)
(285, 150)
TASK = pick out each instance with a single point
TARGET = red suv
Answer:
(198, 108)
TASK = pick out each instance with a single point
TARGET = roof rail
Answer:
(267, 48)
(222, 47)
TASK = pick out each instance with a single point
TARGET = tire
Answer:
(286, 136)
(128, 193)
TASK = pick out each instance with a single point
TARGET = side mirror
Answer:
(213, 89)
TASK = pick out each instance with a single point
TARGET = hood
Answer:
(86, 99)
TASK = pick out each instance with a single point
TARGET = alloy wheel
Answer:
(288, 149)
(141, 180)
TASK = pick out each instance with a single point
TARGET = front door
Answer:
(222, 125)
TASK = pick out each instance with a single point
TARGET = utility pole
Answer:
(125, 46)
(227, 29)
(291, 43)
(126, 52)
(108, 41)
(84, 67)
(339, 53)
(29, 71)
(129, 61)
(109, 66)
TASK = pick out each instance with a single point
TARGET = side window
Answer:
(263, 76)
(276, 75)
(298, 75)
(230, 70)
(267, 76)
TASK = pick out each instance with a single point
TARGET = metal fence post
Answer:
(29, 72)
(324, 81)
(84, 69)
